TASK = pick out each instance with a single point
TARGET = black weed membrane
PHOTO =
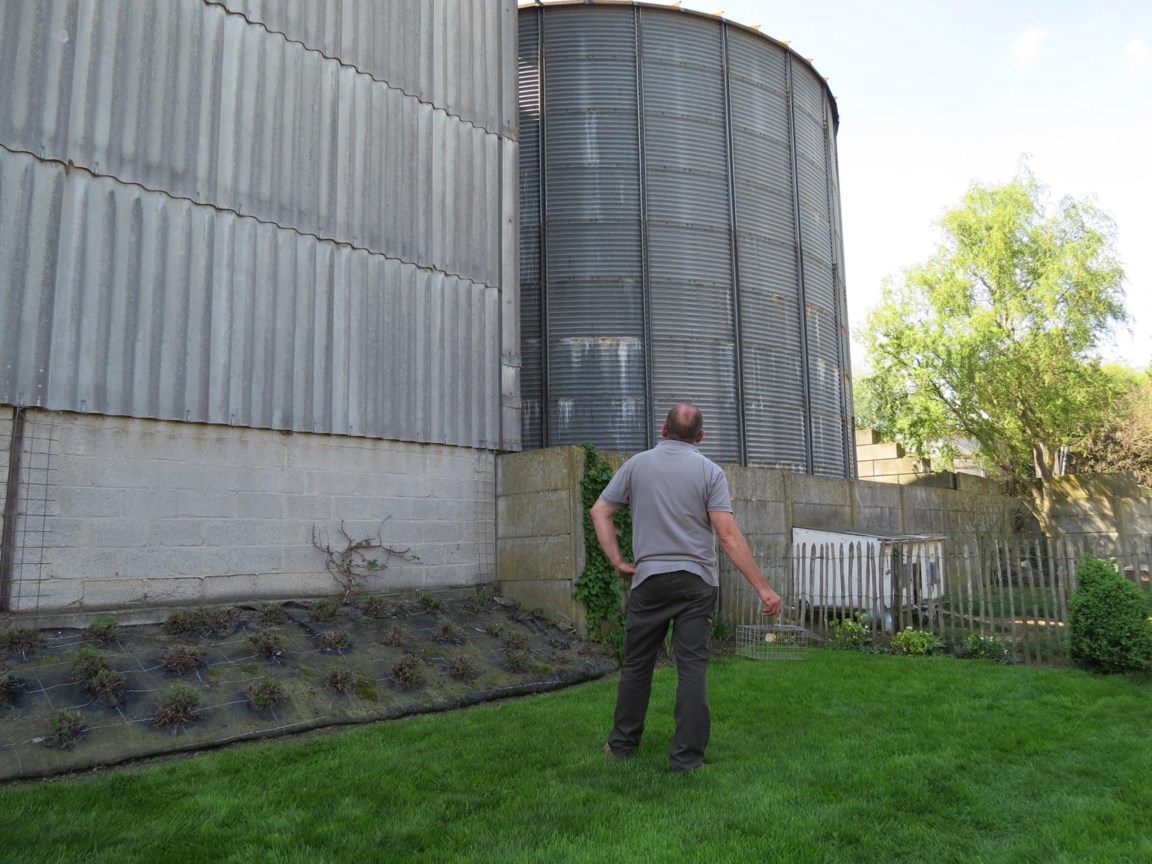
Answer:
(76, 699)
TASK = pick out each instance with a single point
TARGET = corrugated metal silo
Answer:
(680, 237)
(286, 215)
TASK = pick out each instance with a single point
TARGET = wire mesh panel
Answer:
(774, 641)
(30, 527)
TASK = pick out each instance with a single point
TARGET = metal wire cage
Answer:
(774, 641)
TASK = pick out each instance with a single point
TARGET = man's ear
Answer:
(700, 437)
(664, 430)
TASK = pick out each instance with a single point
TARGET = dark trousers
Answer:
(687, 602)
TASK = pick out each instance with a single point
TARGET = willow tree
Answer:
(991, 344)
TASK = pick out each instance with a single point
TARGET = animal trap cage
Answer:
(774, 641)
(782, 637)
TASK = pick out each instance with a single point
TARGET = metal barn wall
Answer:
(680, 237)
(292, 215)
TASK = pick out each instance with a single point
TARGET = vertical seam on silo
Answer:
(645, 279)
(838, 294)
(541, 161)
(734, 247)
(485, 423)
(801, 299)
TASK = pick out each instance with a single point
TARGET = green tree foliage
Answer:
(991, 341)
(1109, 628)
(1123, 441)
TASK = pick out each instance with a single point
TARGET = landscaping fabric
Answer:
(462, 652)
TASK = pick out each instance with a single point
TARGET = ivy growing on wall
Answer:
(600, 588)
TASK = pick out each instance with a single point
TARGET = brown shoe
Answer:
(609, 752)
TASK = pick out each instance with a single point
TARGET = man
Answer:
(678, 499)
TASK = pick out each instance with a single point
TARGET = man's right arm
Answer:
(606, 533)
(735, 546)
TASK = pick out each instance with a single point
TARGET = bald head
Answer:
(684, 423)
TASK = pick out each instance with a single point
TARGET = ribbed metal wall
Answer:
(263, 214)
(681, 210)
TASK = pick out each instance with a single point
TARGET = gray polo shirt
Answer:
(671, 489)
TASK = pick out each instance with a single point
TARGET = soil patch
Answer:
(76, 699)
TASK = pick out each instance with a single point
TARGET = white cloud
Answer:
(1027, 47)
(1137, 57)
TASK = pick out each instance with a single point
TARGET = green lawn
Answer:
(837, 758)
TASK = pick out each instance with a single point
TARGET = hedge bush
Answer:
(1109, 629)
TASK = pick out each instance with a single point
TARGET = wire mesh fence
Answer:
(1016, 589)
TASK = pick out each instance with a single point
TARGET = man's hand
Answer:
(626, 569)
(771, 601)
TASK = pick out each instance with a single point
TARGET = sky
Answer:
(937, 94)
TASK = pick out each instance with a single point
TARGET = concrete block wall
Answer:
(540, 533)
(1113, 505)
(152, 513)
(886, 462)
(540, 528)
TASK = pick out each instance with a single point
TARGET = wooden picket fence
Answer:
(1016, 589)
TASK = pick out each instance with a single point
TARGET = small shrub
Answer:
(496, 630)
(103, 630)
(850, 634)
(516, 640)
(615, 642)
(202, 621)
(107, 685)
(394, 637)
(67, 728)
(1109, 629)
(977, 647)
(375, 606)
(182, 659)
(268, 643)
(518, 661)
(86, 663)
(264, 694)
(336, 640)
(463, 668)
(407, 672)
(10, 687)
(523, 661)
(19, 640)
(449, 631)
(431, 603)
(479, 602)
(722, 630)
(94, 671)
(178, 706)
(272, 616)
(326, 611)
(917, 643)
(340, 679)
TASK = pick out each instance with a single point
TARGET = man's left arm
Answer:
(601, 513)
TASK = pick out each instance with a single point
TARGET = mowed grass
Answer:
(837, 758)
